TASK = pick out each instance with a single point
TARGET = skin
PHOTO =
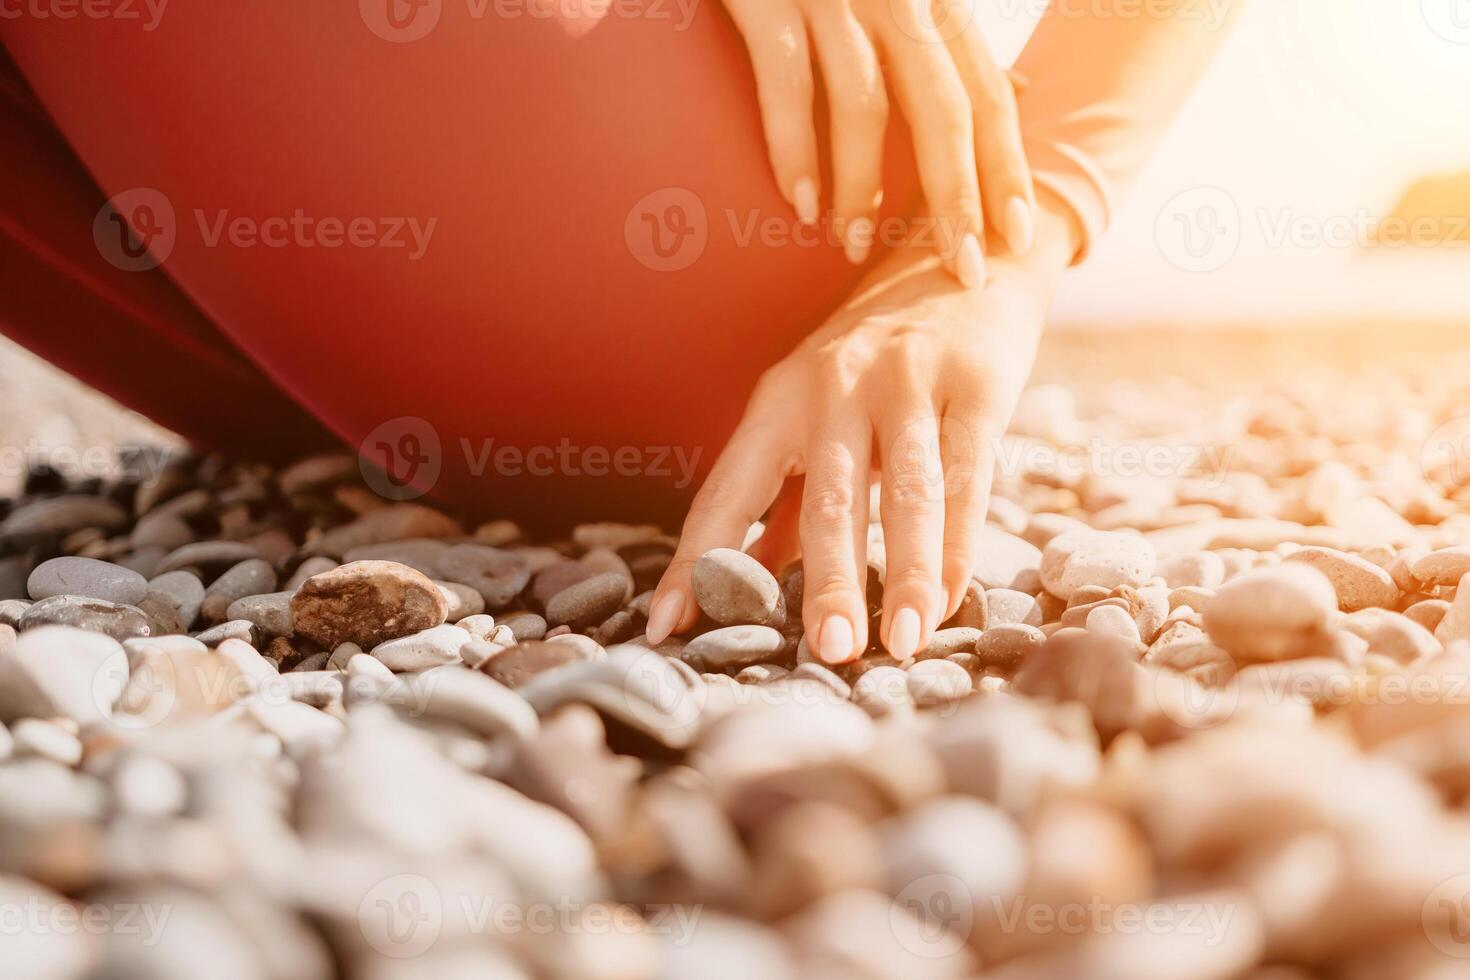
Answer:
(960, 106)
(911, 381)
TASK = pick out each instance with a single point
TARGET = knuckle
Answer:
(719, 493)
(828, 505)
(830, 590)
(910, 580)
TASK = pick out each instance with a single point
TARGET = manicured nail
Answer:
(1019, 228)
(834, 642)
(969, 263)
(859, 240)
(804, 199)
(903, 634)
(664, 616)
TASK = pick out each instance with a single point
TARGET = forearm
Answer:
(1102, 81)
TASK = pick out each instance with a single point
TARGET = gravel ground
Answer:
(1202, 715)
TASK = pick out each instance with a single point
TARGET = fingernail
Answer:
(903, 634)
(859, 240)
(1019, 229)
(804, 199)
(969, 264)
(834, 642)
(664, 616)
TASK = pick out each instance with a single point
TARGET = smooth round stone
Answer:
(12, 609)
(1003, 606)
(524, 625)
(587, 603)
(175, 598)
(1359, 583)
(1270, 613)
(208, 555)
(1113, 621)
(464, 602)
(1004, 561)
(640, 688)
(499, 576)
(481, 625)
(735, 646)
(516, 665)
(733, 588)
(934, 682)
(1106, 559)
(367, 603)
(253, 576)
(271, 613)
(955, 639)
(884, 687)
(60, 671)
(1003, 647)
(62, 515)
(556, 577)
(87, 577)
(973, 611)
(1443, 567)
(606, 560)
(420, 651)
(823, 675)
(237, 629)
(98, 615)
(38, 737)
(474, 700)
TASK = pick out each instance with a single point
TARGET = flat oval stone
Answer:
(523, 625)
(516, 665)
(735, 646)
(587, 603)
(499, 576)
(253, 576)
(1004, 646)
(1270, 613)
(420, 651)
(86, 577)
(464, 602)
(176, 596)
(1004, 561)
(271, 613)
(98, 615)
(367, 603)
(1358, 582)
(1443, 567)
(1004, 606)
(938, 682)
(474, 700)
(1102, 558)
(556, 577)
(955, 639)
(733, 588)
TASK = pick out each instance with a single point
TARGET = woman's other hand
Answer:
(960, 107)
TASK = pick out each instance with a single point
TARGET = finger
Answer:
(913, 527)
(965, 451)
(834, 527)
(776, 37)
(938, 109)
(737, 491)
(1005, 176)
(858, 106)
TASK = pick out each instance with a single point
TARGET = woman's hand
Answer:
(913, 379)
(959, 104)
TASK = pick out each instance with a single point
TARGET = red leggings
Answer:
(534, 249)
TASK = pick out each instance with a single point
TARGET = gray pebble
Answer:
(98, 615)
(733, 588)
(499, 576)
(735, 646)
(182, 591)
(938, 682)
(271, 613)
(253, 576)
(86, 577)
(587, 603)
(236, 629)
(525, 625)
(424, 649)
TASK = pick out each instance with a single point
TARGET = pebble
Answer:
(1443, 567)
(638, 687)
(499, 576)
(1006, 646)
(1196, 569)
(1112, 621)
(588, 602)
(95, 615)
(1358, 582)
(304, 571)
(62, 515)
(422, 554)
(934, 682)
(733, 588)
(1428, 613)
(1270, 613)
(253, 576)
(148, 787)
(239, 629)
(1102, 558)
(516, 665)
(1004, 606)
(1005, 561)
(396, 522)
(271, 613)
(39, 737)
(524, 625)
(163, 531)
(733, 647)
(974, 610)
(11, 610)
(883, 688)
(420, 651)
(86, 577)
(472, 699)
(481, 626)
(367, 603)
(342, 654)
